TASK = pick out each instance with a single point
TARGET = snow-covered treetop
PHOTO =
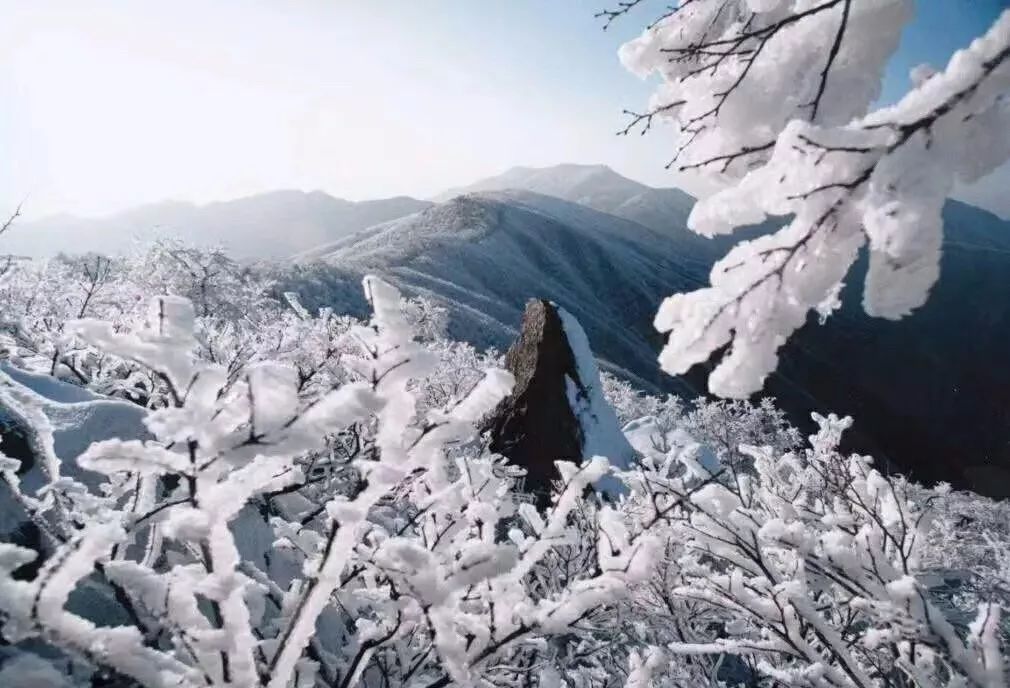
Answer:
(772, 98)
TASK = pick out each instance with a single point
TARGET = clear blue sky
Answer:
(111, 103)
(940, 27)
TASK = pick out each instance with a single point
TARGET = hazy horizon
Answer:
(1003, 213)
(433, 197)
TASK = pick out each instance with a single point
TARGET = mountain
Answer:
(595, 186)
(930, 393)
(269, 225)
(486, 254)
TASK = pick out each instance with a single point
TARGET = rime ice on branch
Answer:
(771, 99)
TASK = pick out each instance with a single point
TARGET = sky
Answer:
(110, 104)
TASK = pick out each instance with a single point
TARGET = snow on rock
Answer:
(45, 425)
(601, 431)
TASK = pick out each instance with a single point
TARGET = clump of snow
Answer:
(649, 437)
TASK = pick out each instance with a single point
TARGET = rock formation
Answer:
(556, 410)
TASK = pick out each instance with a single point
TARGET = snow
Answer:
(462, 219)
(47, 386)
(413, 563)
(77, 418)
(647, 436)
(641, 669)
(601, 431)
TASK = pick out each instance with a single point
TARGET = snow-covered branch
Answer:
(772, 99)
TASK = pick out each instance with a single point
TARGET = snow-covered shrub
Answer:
(458, 369)
(724, 425)
(631, 404)
(214, 283)
(39, 298)
(811, 569)
(307, 502)
(719, 425)
(215, 562)
(967, 553)
(240, 317)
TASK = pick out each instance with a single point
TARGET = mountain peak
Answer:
(563, 168)
(597, 186)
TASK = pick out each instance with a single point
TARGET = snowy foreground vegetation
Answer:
(216, 487)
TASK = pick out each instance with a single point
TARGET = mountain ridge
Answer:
(487, 253)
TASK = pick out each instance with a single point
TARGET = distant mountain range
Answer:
(930, 393)
(271, 225)
(594, 186)
(279, 224)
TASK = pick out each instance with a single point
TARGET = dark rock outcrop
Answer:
(535, 426)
